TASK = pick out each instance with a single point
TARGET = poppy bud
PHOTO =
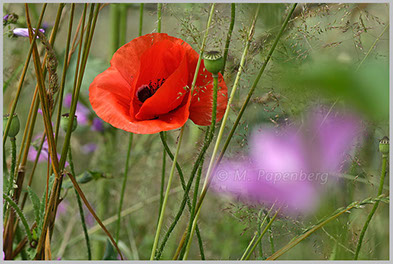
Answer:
(214, 62)
(14, 126)
(384, 146)
(65, 121)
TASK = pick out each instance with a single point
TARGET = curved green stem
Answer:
(161, 217)
(212, 130)
(123, 187)
(141, 18)
(159, 17)
(10, 186)
(185, 200)
(122, 27)
(191, 227)
(19, 213)
(256, 233)
(370, 216)
(115, 19)
(372, 46)
(163, 138)
(22, 77)
(13, 165)
(229, 35)
(254, 85)
(260, 236)
(80, 206)
(323, 222)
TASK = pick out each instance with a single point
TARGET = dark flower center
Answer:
(146, 91)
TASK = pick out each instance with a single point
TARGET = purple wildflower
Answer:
(44, 155)
(286, 166)
(24, 32)
(97, 124)
(10, 19)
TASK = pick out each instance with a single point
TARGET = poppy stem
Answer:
(123, 24)
(12, 170)
(161, 217)
(256, 233)
(202, 48)
(80, 206)
(159, 18)
(191, 227)
(186, 199)
(261, 235)
(254, 85)
(123, 187)
(115, 19)
(163, 137)
(141, 18)
(22, 77)
(229, 35)
(212, 130)
(370, 216)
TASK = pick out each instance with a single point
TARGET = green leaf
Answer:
(36, 203)
(110, 252)
(41, 215)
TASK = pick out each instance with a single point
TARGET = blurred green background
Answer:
(331, 54)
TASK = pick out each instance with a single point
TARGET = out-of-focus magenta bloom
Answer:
(24, 32)
(288, 167)
(97, 124)
(33, 151)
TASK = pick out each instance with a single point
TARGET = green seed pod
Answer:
(14, 127)
(214, 62)
(65, 121)
(384, 146)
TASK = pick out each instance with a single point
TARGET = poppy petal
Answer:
(168, 96)
(110, 100)
(159, 61)
(202, 100)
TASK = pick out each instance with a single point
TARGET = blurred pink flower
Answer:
(33, 151)
(24, 32)
(286, 166)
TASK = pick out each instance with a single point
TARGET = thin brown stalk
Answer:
(49, 135)
(22, 78)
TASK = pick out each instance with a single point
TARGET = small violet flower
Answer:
(97, 124)
(10, 19)
(24, 32)
(286, 166)
(44, 155)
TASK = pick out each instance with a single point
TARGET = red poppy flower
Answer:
(147, 87)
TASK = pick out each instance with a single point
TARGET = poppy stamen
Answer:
(144, 92)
